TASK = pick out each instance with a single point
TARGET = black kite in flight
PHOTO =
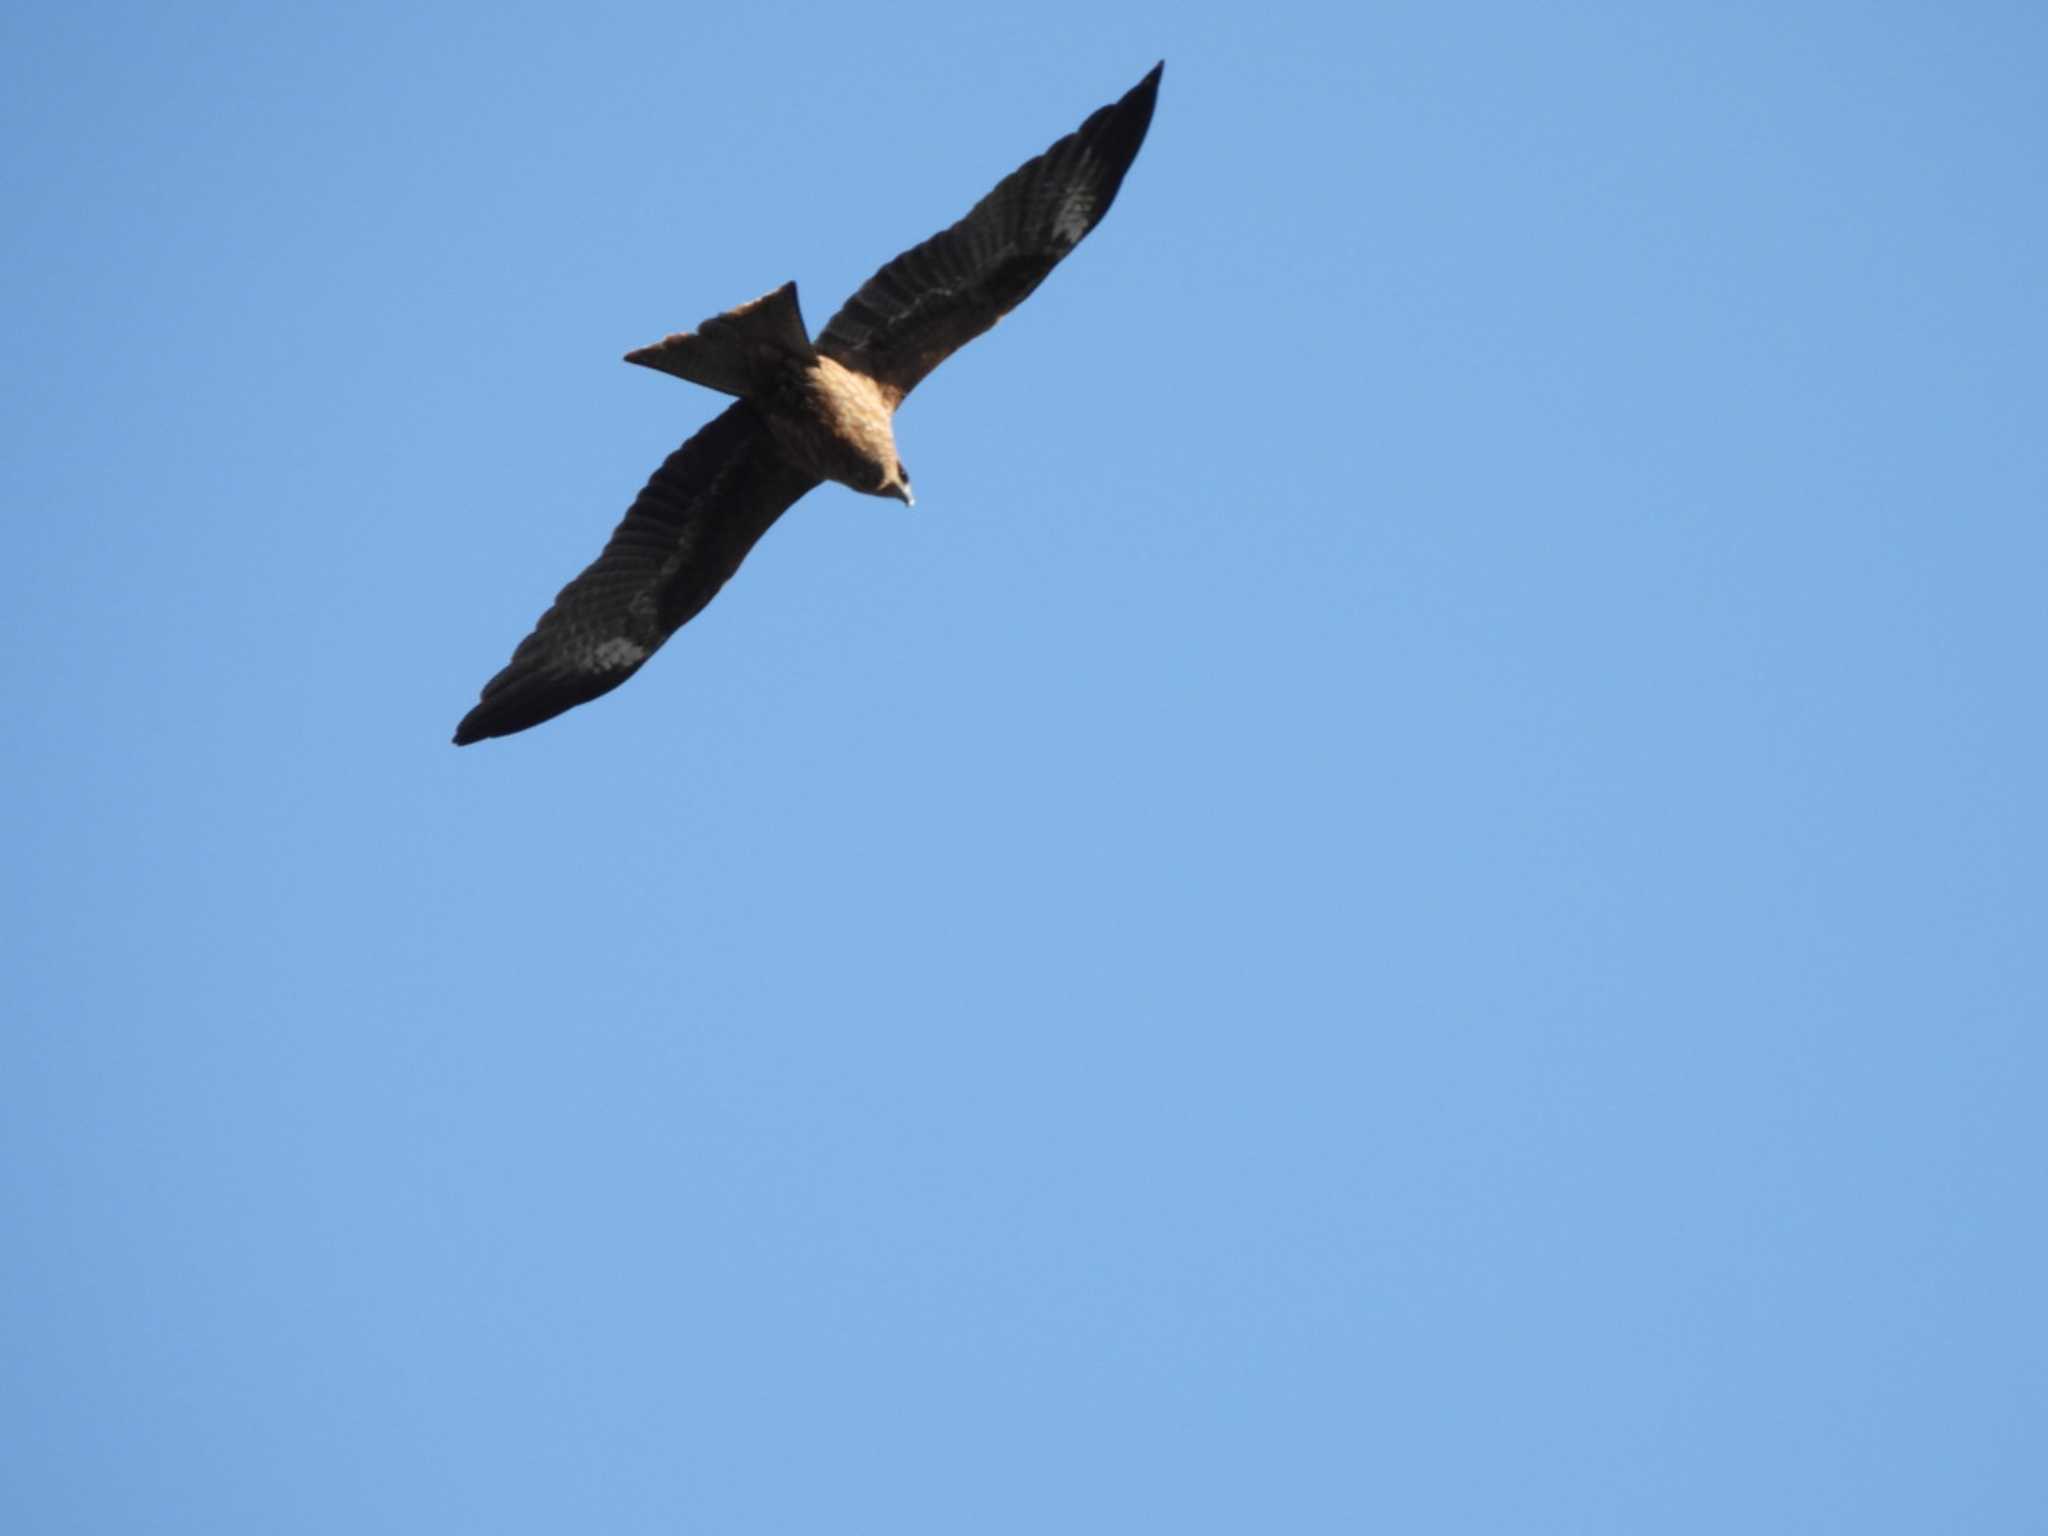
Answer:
(807, 412)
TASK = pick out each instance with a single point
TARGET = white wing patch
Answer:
(618, 651)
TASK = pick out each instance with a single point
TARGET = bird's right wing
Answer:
(686, 532)
(936, 297)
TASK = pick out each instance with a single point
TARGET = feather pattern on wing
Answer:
(685, 534)
(934, 298)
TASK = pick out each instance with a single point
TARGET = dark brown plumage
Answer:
(808, 412)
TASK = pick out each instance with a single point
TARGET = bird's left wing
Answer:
(936, 297)
(686, 532)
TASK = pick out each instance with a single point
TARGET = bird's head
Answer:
(896, 483)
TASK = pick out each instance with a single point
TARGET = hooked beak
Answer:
(901, 493)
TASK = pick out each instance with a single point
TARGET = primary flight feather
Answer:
(807, 412)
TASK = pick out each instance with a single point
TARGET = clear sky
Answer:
(1411, 899)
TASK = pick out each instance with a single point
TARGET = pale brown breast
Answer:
(834, 422)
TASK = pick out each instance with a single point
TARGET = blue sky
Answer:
(1410, 899)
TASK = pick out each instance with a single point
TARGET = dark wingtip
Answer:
(1116, 133)
(1144, 92)
(1131, 115)
(497, 713)
(522, 696)
(502, 714)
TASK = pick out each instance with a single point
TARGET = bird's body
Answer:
(835, 422)
(808, 412)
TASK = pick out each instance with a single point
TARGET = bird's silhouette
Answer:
(807, 412)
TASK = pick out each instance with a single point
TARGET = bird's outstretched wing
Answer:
(936, 297)
(684, 535)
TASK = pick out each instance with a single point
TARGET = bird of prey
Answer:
(808, 411)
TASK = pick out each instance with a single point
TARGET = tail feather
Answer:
(738, 350)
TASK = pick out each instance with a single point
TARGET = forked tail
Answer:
(739, 350)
